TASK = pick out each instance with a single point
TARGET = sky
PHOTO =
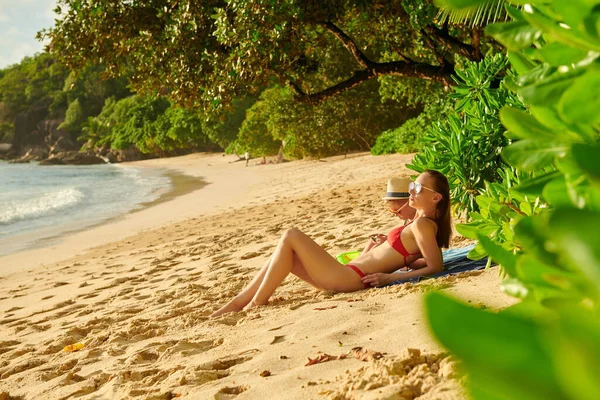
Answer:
(20, 20)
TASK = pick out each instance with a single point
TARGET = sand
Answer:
(138, 292)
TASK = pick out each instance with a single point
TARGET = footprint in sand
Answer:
(145, 356)
(8, 345)
(82, 385)
(21, 367)
(208, 372)
(53, 371)
(186, 348)
(250, 255)
(228, 392)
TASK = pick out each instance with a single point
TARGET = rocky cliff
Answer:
(39, 139)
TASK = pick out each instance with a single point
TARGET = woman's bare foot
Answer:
(252, 305)
(232, 306)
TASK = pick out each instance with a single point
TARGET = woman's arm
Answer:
(374, 241)
(381, 279)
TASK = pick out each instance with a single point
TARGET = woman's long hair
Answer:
(443, 213)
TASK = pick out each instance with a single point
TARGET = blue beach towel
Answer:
(455, 261)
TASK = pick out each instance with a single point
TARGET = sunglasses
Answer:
(417, 187)
(396, 212)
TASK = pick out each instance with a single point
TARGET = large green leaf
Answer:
(477, 252)
(514, 35)
(505, 258)
(587, 157)
(520, 63)
(532, 155)
(573, 12)
(575, 232)
(578, 354)
(504, 354)
(532, 271)
(561, 54)
(549, 117)
(581, 101)
(535, 186)
(567, 193)
(524, 125)
(548, 90)
(472, 229)
(553, 29)
(531, 235)
(591, 23)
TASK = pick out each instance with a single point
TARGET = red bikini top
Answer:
(395, 241)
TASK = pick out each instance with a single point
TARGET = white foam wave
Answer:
(40, 206)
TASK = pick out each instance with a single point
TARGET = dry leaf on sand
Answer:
(358, 352)
(323, 358)
(366, 354)
(324, 308)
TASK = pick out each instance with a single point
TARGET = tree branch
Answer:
(433, 46)
(440, 74)
(407, 69)
(348, 43)
(476, 42)
(452, 43)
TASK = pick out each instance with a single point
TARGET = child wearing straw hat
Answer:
(396, 198)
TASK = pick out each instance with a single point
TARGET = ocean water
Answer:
(38, 204)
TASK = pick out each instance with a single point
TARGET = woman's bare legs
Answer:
(321, 267)
(246, 295)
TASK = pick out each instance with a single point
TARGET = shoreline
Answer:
(180, 184)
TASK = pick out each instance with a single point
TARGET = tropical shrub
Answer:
(74, 118)
(547, 346)
(466, 145)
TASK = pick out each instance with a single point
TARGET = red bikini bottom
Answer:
(360, 273)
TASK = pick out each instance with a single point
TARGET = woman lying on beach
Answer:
(423, 237)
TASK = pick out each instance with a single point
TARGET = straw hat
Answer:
(397, 189)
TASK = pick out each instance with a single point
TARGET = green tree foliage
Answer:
(347, 122)
(211, 52)
(224, 131)
(35, 82)
(150, 124)
(467, 145)
(74, 118)
(408, 137)
(91, 87)
(254, 135)
(547, 346)
(6, 132)
(420, 94)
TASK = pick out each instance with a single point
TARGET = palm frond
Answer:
(484, 14)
